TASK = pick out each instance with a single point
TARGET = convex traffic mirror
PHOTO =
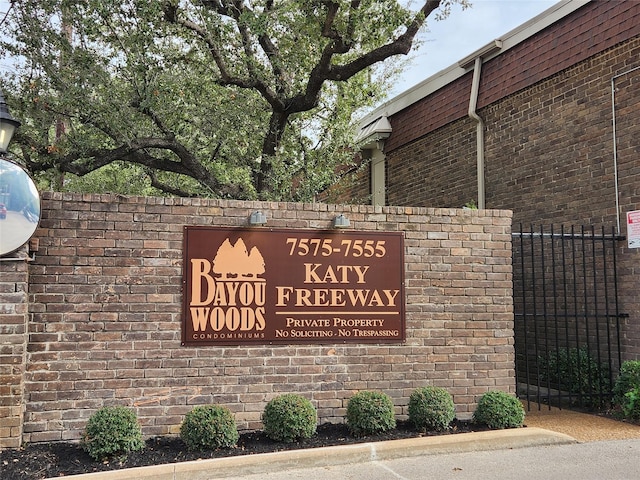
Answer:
(19, 207)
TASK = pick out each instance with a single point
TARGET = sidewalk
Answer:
(603, 460)
(581, 426)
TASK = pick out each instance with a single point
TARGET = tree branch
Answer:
(154, 118)
(226, 78)
(400, 46)
(82, 163)
(325, 70)
(156, 183)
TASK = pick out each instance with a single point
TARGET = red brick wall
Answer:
(14, 277)
(105, 307)
(549, 158)
(437, 171)
(591, 30)
(552, 144)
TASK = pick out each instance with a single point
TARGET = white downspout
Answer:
(473, 102)
(378, 181)
(615, 143)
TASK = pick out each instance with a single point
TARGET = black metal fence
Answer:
(567, 317)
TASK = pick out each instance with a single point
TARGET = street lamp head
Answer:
(8, 125)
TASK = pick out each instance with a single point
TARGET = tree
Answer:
(229, 98)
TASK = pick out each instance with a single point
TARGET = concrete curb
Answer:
(338, 455)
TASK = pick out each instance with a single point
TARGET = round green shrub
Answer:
(431, 408)
(370, 413)
(112, 431)
(498, 410)
(289, 417)
(208, 427)
(628, 379)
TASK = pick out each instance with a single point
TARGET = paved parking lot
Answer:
(610, 460)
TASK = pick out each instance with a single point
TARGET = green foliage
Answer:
(209, 427)
(289, 417)
(628, 379)
(631, 404)
(112, 431)
(369, 413)
(255, 101)
(499, 410)
(117, 177)
(575, 370)
(431, 408)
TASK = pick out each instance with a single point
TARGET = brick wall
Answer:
(435, 172)
(549, 159)
(14, 278)
(105, 316)
(549, 150)
(553, 144)
(592, 29)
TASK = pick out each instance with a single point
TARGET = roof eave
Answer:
(487, 52)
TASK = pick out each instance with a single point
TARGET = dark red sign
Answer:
(261, 286)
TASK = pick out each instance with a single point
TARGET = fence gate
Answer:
(567, 318)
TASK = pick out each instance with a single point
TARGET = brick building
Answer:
(542, 121)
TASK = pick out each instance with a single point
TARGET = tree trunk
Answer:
(277, 125)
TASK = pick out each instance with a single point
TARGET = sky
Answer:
(464, 32)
